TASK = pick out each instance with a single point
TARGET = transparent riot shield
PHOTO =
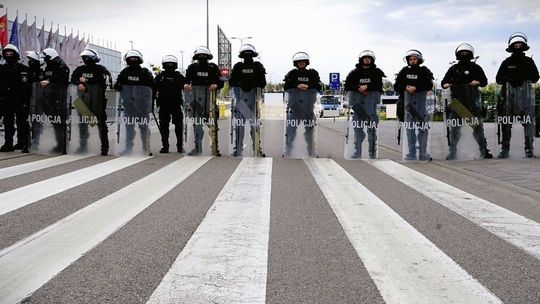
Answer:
(516, 121)
(300, 115)
(202, 115)
(133, 107)
(463, 121)
(87, 122)
(362, 122)
(416, 126)
(246, 108)
(48, 108)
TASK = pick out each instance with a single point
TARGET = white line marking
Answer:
(33, 261)
(225, 260)
(405, 265)
(510, 226)
(20, 197)
(38, 165)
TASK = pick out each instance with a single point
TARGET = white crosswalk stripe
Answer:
(225, 259)
(509, 226)
(389, 245)
(226, 256)
(26, 195)
(39, 165)
(28, 264)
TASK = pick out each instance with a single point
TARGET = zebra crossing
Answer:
(268, 230)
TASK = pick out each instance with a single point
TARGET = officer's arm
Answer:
(533, 71)
(315, 81)
(261, 76)
(290, 83)
(351, 82)
(399, 85)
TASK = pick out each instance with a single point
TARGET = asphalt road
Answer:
(177, 229)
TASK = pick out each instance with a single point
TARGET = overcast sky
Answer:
(332, 32)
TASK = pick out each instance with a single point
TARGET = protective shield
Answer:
(362, 120)
(300, 114)
(133, 107)
(86, 124)
(246, 109)
(516, 121)
(202, 115)
(463, 121)
(416, 126)
(48, 108)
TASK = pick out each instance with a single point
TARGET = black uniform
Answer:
(169, 86)
(300, 111)
(135, 75)
(460, 75)
(365, 106)
(15, 93)
(94, 98)
(247, 76)
(54, 101)
(515, 70)
(201, 73)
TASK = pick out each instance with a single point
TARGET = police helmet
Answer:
(49, 53)
(247, 49)
(515, 38)
(415, 53)
(14, 49)
(90, 54)
(464, 51)
(367, 53)
(300, 56)
(33, 55)
(170, 61)
(202, 50)
(135, 56)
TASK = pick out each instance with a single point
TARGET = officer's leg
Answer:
(164, 120)
(529, 139)
(478, 134)
(23, 128)
(9, 131)
(308, 136)
(372, 140)
(359, 136)
(178, 122)
(290, 133)
(411, 141)
(83, 137)
(145, 135)
(423, 134)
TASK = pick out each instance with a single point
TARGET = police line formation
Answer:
(47, 108)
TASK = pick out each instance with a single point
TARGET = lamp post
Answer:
(131, 44)
(242, 39)
(182, 68)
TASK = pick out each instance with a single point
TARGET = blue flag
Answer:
(14, 37)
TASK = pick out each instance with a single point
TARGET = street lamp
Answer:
(131, 44)
(241, 39)
(182, 69)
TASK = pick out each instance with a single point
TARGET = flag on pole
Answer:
(41, 38)
(23, 39)
(14, 37)
(3, 30)
(32, 39)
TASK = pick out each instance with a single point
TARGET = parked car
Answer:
(330, 106)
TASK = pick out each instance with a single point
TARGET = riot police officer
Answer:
(202, 73)
(246, 76)
(135, 76)
(365, 79)
(35, 63)
(303, 79)
(54, 90)
(90, 79)
(466, 75)
(412, 84)
(515, 70)
(169, 86)
(15, 93)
